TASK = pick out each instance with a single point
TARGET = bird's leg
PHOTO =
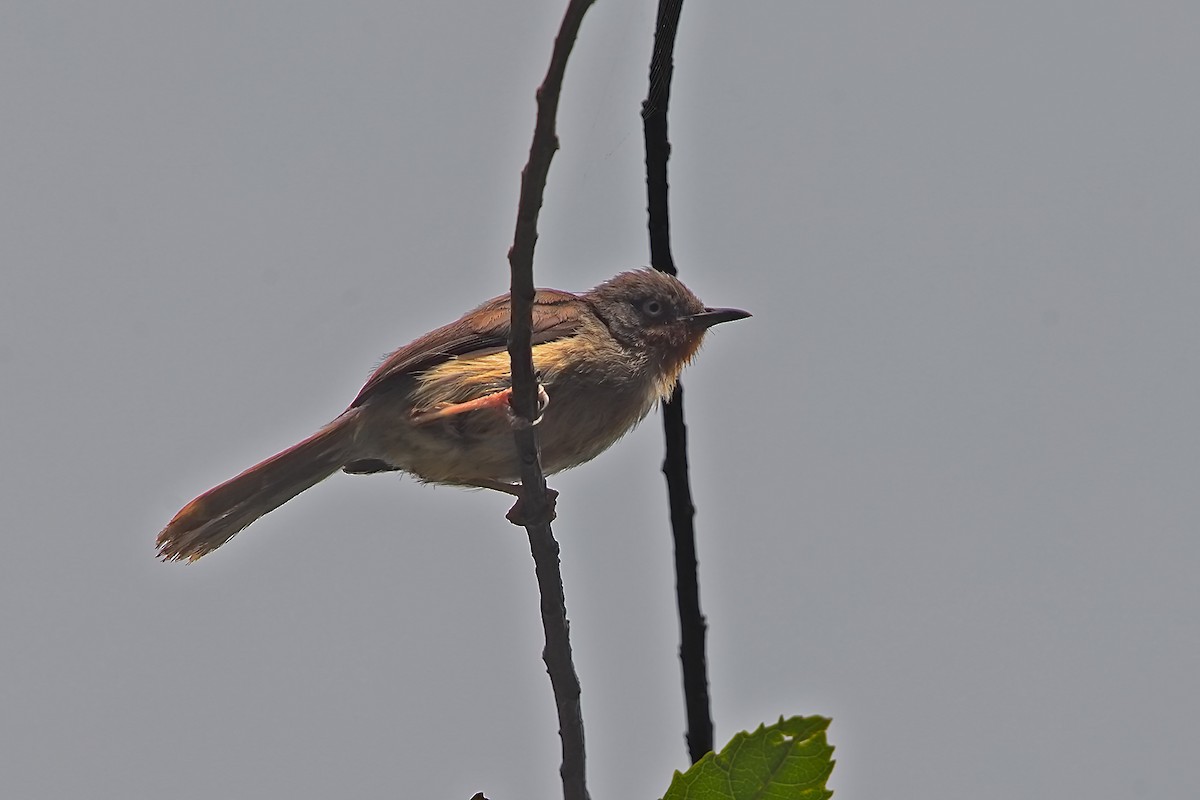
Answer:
(500, 399)
(500, 486)
(516, 515)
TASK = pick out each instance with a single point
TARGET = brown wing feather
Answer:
(480, 331)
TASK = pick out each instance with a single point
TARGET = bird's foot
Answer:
(543, 400)
(518, 515)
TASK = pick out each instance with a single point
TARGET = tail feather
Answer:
(214, 517)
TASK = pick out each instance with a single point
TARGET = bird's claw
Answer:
(543, 400)
(517, 514)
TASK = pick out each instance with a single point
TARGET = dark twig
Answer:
(675, 465)
(536, 504)
(654, 124)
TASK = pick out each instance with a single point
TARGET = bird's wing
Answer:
(484, 330)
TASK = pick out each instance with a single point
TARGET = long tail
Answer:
(214, 517)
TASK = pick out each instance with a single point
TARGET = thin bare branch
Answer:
(692, 626)
(536, 503)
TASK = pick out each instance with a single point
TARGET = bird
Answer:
(438, 408)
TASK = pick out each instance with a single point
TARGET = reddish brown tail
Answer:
(214, 517)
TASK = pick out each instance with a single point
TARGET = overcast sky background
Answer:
(946, 475)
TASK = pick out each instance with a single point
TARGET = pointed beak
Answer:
(715, 316)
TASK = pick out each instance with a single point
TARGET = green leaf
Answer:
(790, 759)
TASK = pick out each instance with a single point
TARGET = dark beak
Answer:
(715, 316)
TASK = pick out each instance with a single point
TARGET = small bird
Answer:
(438, 408)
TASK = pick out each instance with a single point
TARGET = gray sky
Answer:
(946, 476)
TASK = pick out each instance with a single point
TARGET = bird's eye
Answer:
(652, 307)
